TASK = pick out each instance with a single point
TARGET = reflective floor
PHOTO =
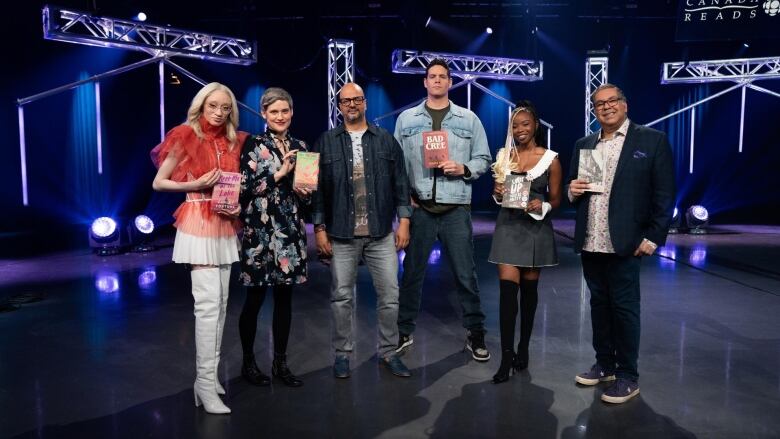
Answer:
(109, 352)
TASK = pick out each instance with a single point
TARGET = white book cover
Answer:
(591, 169)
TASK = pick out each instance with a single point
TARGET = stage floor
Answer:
(91, 362)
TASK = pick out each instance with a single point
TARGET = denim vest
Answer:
(467, 143)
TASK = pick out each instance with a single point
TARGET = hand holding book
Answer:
(288, 164)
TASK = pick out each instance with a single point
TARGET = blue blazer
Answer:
(643, 190)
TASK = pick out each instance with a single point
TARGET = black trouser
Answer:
(614, 310)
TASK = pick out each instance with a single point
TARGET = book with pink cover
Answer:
(224, 196)
(435, 150)
(307, 170)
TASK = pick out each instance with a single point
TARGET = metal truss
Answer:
(471, 66)
(341, 70)
(750, 69)
(596, 69)
(161, 43)
(79, 27)
(742, 71)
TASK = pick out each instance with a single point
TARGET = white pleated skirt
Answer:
(196, 250)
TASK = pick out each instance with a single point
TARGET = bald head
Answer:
(351, 89)
(352, 103)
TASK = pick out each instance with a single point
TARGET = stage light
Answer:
(697, 219)
(140, 233)
(144, 224)
(746, 45)
(428, 21)
(674, 226)
(103, 227)
(104, 236)
(140, 16)
(489, 30)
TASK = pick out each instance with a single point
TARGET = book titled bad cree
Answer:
(225, 193)
(307, 170)
(517, 192)
(435, 150)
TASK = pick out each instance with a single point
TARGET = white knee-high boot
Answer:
(224, 282)
(206, 291)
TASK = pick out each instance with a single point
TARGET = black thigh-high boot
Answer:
(529, 297)
(507, 314)
(247, 327)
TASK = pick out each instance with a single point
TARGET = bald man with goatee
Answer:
(362, 188)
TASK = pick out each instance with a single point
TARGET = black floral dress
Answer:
(273, 248)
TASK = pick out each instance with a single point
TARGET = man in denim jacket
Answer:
(442, 200)
(362, 185)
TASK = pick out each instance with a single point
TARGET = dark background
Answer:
(66, 192)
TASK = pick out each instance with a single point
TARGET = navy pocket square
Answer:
(639, 155)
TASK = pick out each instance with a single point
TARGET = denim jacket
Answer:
(467, 144)
(387, 187)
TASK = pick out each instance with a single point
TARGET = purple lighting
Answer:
(107, 282)
(103, 227)
(23, 154)
(144, 224)
(700, 213)
(147, 279)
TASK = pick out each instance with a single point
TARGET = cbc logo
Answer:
(772, 7)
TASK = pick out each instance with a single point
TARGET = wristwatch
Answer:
(466, 172)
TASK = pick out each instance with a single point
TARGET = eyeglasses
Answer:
(611, 102)
(214, 107)
(357, 100)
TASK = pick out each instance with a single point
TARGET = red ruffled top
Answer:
(196, 157)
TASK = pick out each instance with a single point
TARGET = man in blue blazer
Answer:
(628, 218)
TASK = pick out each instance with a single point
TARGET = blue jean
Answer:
(382, 261)
(454, 230)
(613, 282)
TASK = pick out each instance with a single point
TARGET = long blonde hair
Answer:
(196, 111)
(504, 165)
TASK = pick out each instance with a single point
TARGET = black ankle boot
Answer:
(251, 373)
(283, 373)
(521, 359)
(505, 369)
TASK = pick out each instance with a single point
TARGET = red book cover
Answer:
(225, 193)
(435, 149)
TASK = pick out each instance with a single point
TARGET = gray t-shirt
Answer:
(359, 184)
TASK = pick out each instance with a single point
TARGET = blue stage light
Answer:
(103, 227)
(104, 236)
(144, 224)
(697, 219)
(428, 21)
(676, 223)
(140, 16)
(140, 234)
(489, 30)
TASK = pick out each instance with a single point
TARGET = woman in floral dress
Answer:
(273, 248)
